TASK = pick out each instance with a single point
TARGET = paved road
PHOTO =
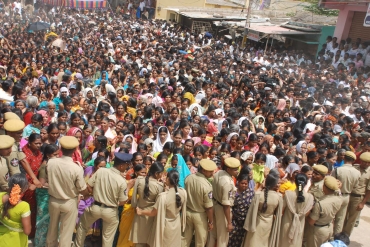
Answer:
(361, 236)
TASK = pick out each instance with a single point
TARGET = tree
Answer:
(314, 8)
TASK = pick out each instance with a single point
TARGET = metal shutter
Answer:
(357, 28)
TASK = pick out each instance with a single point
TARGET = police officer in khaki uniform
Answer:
(66, 181)
(348, 176)
(6, 143)
(14, 128)
(109, 189)
(321, 217)
(223, 199)
(10, 115)
(359, 195)
(199, 206)
(318, 175)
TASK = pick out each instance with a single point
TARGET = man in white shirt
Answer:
(18, 6)
(335, 48)
(344, 51)
(329, 43)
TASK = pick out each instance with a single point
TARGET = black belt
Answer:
(101, 204)
(219, 203)
(356, 195)
(345, 194)
(322, 225)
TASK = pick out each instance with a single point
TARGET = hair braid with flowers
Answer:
(17, 185)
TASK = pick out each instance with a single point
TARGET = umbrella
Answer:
(59, 43)
(38, 26)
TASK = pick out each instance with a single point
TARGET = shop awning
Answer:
(279, 30)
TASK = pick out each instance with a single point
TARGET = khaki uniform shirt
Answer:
(223, 188)
(109, 187)
(199, 191)
(324, 211)
(14, 159)
(155, 188)
(363, 183)
(316, 190)
(65, 178)
(349, 177)
(4, 174)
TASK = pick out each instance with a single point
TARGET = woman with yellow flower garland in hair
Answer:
(15, 217)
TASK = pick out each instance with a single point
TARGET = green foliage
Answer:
(314, 8)
(291, 14)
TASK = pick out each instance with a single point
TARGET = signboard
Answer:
(253, 35)
(367, 17)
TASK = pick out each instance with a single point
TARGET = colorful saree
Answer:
(127, 218)
(11, 229)
(42, 217)
(83, 204)
(240, 210)
(34, 159)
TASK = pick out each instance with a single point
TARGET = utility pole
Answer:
(247, 22)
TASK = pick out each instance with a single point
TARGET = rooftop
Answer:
(208, 13)
(224, 3)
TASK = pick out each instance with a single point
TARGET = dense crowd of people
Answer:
(133, 132)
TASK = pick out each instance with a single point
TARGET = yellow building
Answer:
(171, 9)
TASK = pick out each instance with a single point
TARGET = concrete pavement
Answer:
(361, 235)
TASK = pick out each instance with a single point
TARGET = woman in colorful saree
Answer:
(99, 162)
(77, 155)
(42, 197)
(15, 217)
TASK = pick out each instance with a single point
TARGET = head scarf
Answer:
(292, 167)
(76, 156)
(158, 145)
(64, 89)
(271, 161)
(86, 90)
(309, 128)
(109, 88)
(157, 101)
(256, 121)
(218, 111)
(241, 120)
(299, 145)
(220, 122)
(211, 128)
(43, 114)
(231, 136)
(133, 144)
(183, 170)
(190, 97)
(337, 129)
(281, 104)
(246, 155)
(125, 98)
(196, 140)
(199, 109)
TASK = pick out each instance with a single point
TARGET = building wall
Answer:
(345, 17)
(162, 14)
(165, 14)
(325, 32)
